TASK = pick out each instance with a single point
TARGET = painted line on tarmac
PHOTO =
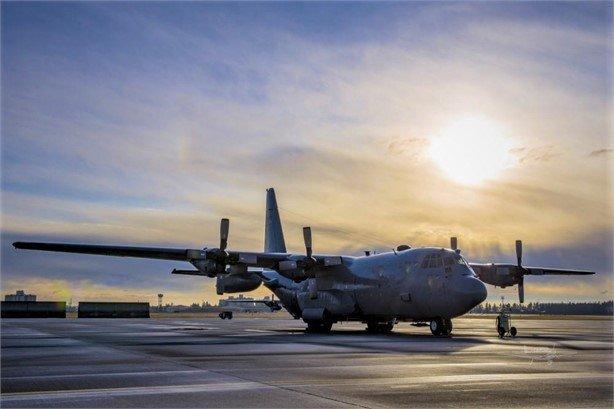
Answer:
(259, 330)
(410, 382)
(105, 374)
(136, 391)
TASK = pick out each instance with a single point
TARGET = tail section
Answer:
(273, 233)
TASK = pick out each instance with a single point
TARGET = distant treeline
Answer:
(561, 308)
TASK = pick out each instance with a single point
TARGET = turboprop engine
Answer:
(503, 275)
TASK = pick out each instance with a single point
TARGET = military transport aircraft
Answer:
(422, 285)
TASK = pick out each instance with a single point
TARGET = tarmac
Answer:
(260, 362)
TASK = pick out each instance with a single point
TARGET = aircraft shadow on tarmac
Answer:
(347, 339)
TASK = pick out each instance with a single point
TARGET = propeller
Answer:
(516, 273)
(224, 227)
(521, 271)
(298, 267)
(519, 253)
(213, 261)
(307, 239)
(308, 261)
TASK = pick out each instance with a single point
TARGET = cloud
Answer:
(601, 152)
(536, 154)
(413, 146)
(151, 128)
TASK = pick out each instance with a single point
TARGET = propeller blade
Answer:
(224, 227)
(519, 253)
(307, 239)
(521, 289)
(453, 243)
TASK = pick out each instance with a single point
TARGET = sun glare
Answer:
(471, 150)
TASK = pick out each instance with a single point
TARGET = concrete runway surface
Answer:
(261, 362)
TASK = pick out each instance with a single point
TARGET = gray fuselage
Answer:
(398, 285)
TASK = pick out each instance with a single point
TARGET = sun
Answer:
(471, 150)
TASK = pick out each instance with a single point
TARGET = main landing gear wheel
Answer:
(225, 314)
(436, 326)
(319, 327)
(447, 327)
(441, 326)
(374, 327)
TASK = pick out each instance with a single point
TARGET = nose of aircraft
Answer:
(473, 291)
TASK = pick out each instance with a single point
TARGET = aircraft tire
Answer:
(319, 327)
(501, 332)
(436, 326)
(374, 327)
(513, 332)
(447, 327)
(386, 328)
(326, 327)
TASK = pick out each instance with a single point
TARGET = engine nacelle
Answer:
(208, 268)
(500, 275)
(234, 283)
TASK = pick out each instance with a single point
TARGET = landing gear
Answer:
(448, 326)
(225, 314)
(441, 326)
(374, 327)
(319, 327)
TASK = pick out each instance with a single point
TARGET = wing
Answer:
(558, 271)
(118, 251)
(161, 253)
(209, 262)
(504, 269)
(504, 275)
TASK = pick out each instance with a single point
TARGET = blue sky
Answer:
(146, 123)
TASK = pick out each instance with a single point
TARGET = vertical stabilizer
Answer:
(273, 234)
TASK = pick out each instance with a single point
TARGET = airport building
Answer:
(20, 295)
(243, 303)
(113, 310)
(33, 309)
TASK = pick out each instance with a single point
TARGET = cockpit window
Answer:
(432, 261)
(461, 261)
(453, 260)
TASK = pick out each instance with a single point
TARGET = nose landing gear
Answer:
(441, 326)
